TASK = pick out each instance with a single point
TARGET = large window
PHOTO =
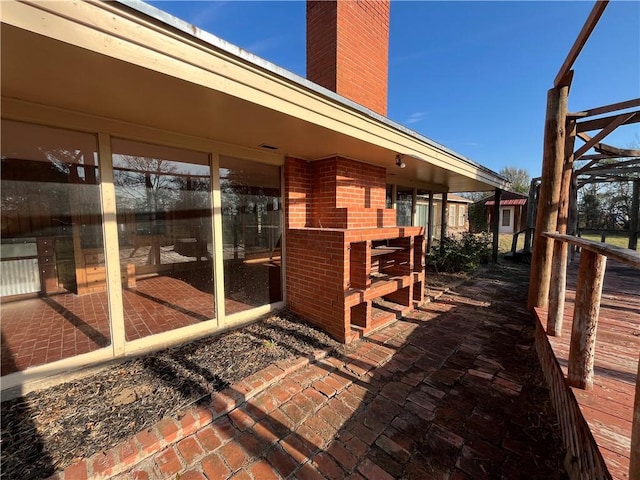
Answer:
(163, 205)
(252, 233)
(53, 307)
(388, 199)
(462, 217)
(452, 216)
(53, 264)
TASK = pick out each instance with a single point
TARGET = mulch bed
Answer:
(47, 430)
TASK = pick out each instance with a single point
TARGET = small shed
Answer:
(513, 211)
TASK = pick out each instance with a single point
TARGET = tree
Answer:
(519, 178)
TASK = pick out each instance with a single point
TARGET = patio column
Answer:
(495, 226)
(430, 222)
(531, 213)
(443, 222)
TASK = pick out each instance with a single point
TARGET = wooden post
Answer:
(634, 215)
(414, 206)
(573, 215)
(549, 196)
(495, 226)
(585, 319)
(634, 467)
(430, 222)
(558, 281)
(443, 222)
(531, 209)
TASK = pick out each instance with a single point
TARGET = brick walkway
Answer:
(449, 392)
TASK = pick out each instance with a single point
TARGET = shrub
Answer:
(478, 218)
(460, 253)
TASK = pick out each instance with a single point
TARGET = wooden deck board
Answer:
(608, 408)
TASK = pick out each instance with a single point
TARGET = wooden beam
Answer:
(619, 254)
(583, 182)
(610, 127)
(610, 170)
(609, 151)
(589, 165)
(597, 156)
(599, 123)
(612, 151)
(581, 40)
(595, 165)
(606, 109)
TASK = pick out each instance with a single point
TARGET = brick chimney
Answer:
(348, 47)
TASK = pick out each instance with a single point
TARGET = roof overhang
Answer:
(134, 63)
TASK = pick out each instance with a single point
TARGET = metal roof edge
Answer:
(231, 49)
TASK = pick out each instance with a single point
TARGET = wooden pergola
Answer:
(566, 167)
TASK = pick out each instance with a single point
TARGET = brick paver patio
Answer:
(448, 392)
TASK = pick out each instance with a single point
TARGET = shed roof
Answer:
(513, 201)
(508, 198)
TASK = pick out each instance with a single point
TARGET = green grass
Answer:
(504, 242)
(617, 239)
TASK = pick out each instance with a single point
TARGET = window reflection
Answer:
(252, 233)
(404, 203)
(54, 304)
(164, 230)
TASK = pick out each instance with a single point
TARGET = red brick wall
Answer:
(315, 278)
(297, 193)
(347, 194)
(348, 48)
(360, 185)
(335, 208)
(323, 195)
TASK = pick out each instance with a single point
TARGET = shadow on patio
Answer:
(453, 390)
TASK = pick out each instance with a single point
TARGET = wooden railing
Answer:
(514, 241)
(591, 271)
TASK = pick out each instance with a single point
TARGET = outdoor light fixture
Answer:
(399, 161)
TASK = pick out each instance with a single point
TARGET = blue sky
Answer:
(470, 75)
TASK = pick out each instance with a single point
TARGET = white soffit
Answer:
(135, 63)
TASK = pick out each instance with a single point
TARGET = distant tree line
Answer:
(605, 205)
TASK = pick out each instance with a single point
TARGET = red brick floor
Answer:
(446, 393)
(40, 330)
